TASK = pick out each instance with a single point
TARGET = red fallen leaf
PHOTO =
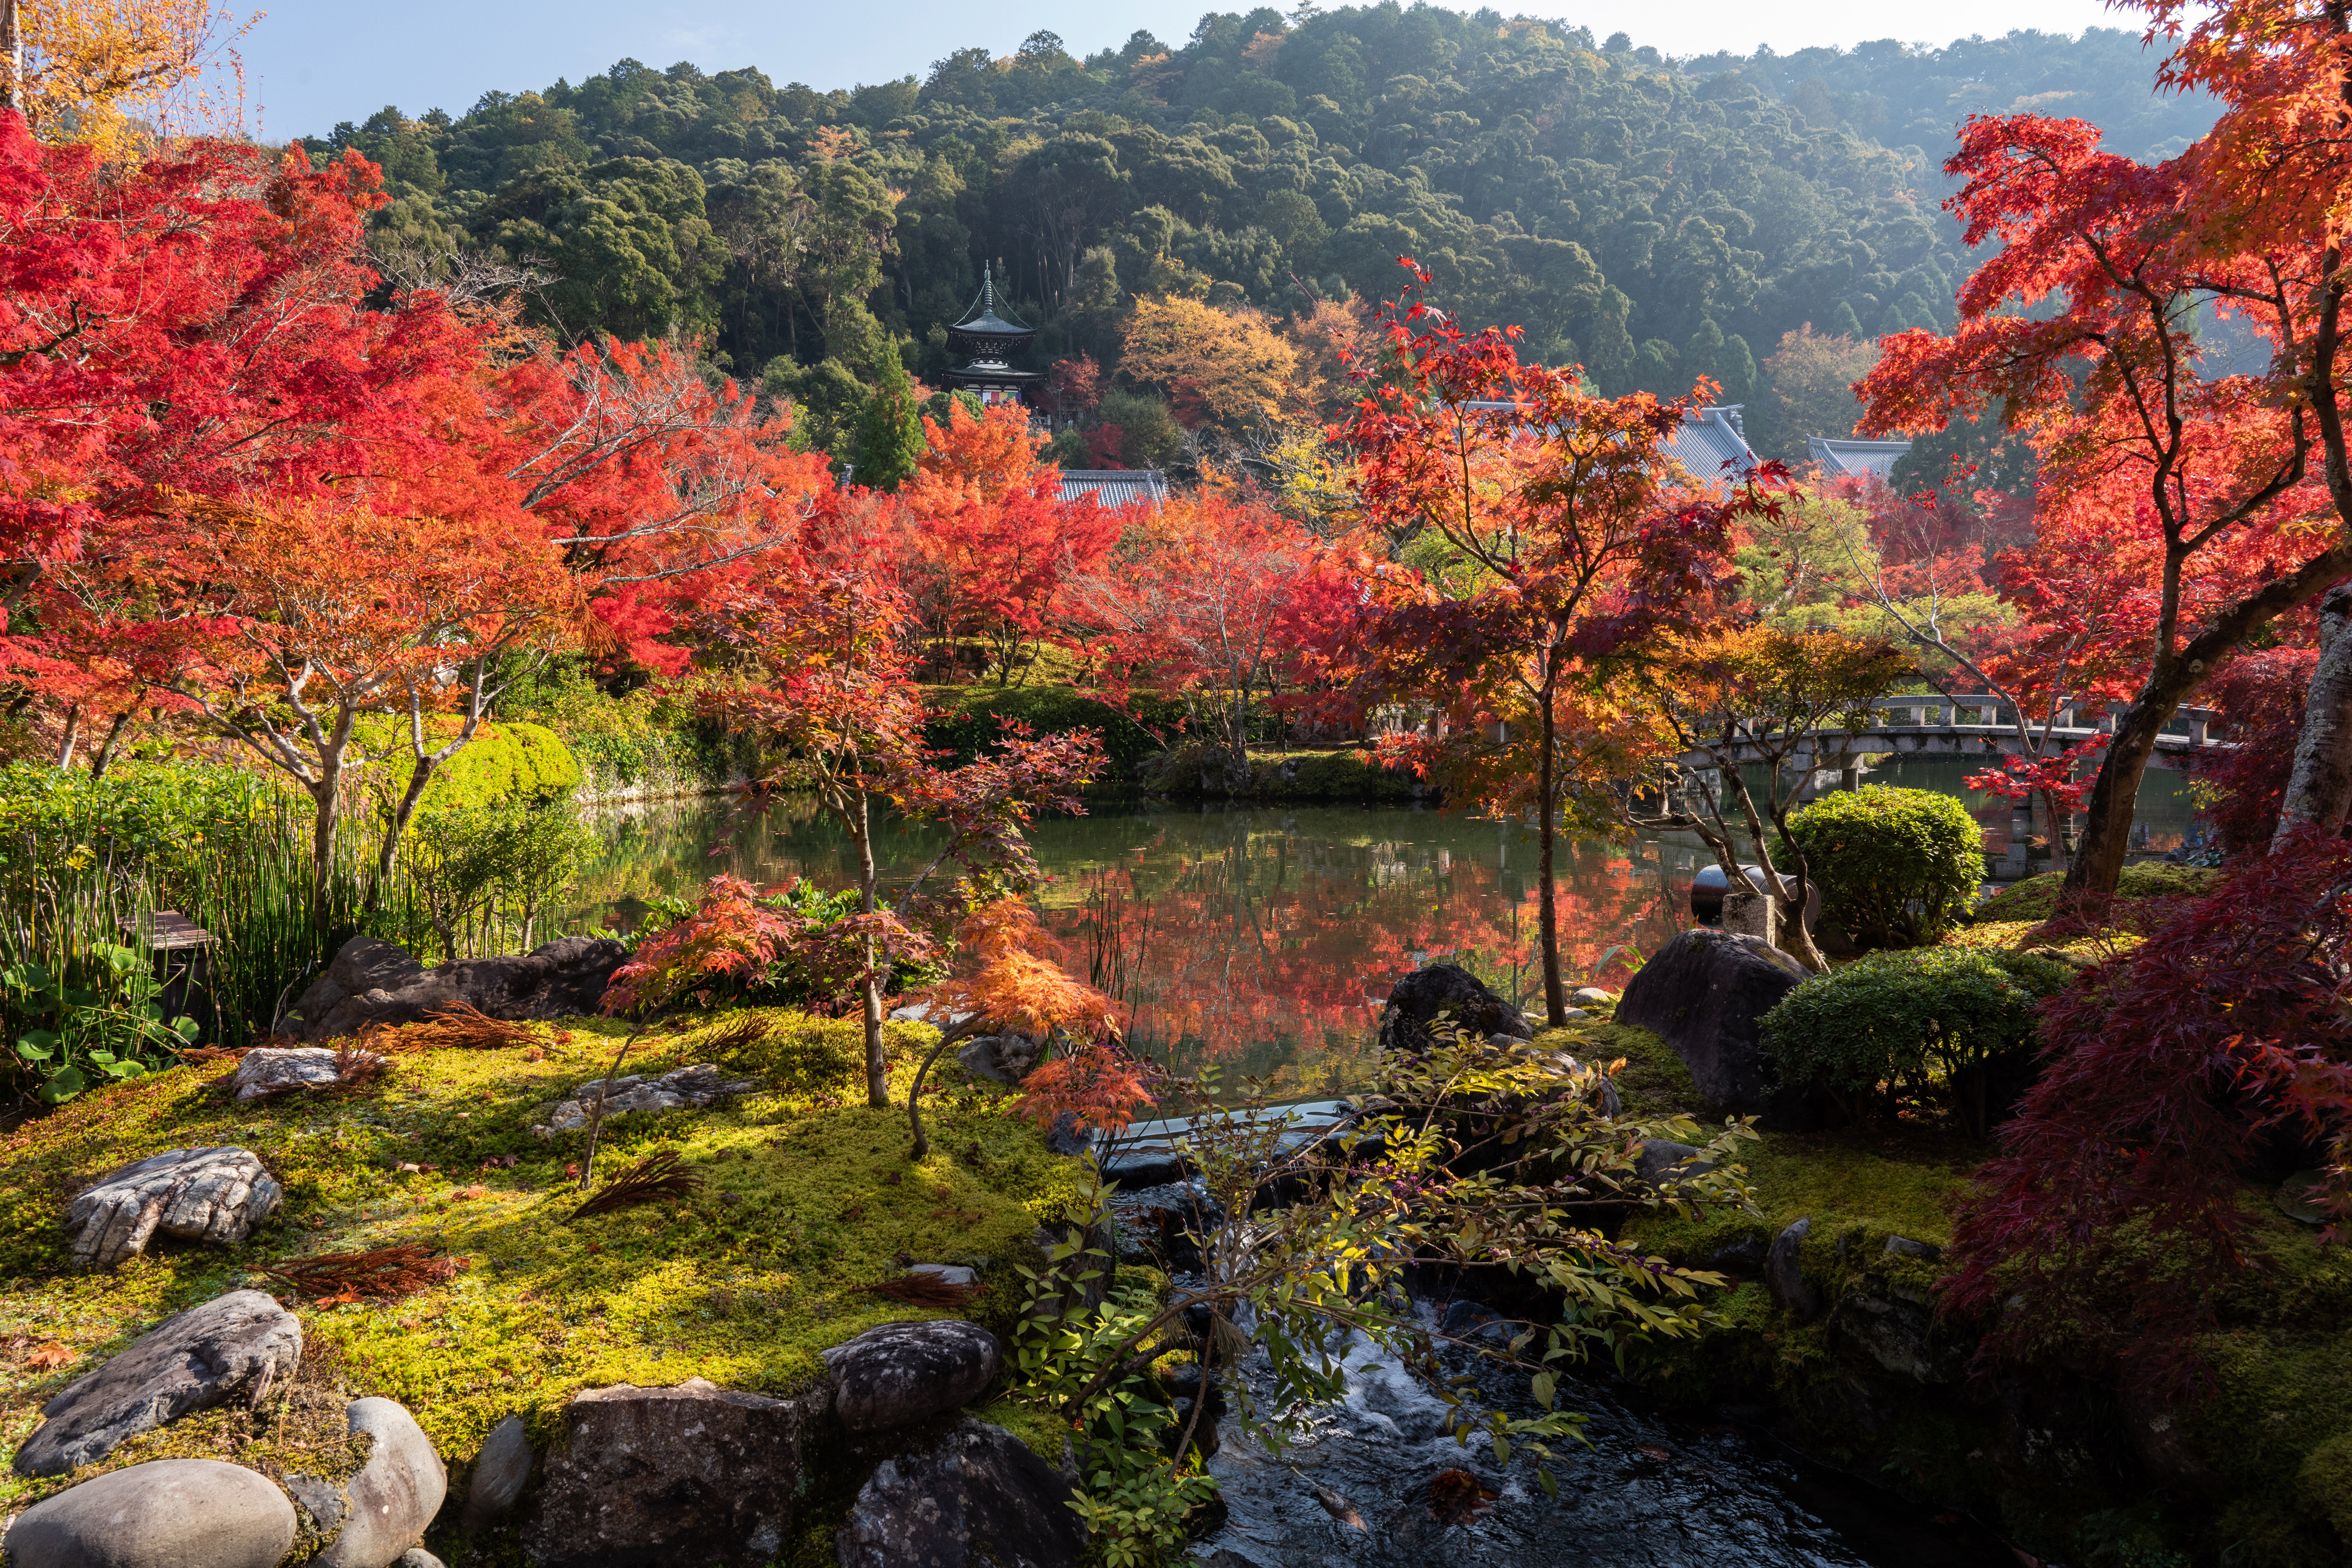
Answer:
(1456, 1498)
(1654, 1452)
(52, 1354)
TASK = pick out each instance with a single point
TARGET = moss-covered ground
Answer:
(805, 1196)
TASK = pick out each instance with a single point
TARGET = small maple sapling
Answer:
(1009, 981)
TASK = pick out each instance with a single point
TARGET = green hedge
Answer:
(1897, 868)
(1959, 1016)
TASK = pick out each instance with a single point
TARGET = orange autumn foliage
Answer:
(1012, 979)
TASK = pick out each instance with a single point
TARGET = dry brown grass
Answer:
(384, 1274)
(654, 1177)
(460, 1027)
(922, 1290)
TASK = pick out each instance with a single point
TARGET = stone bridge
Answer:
(1971, 727)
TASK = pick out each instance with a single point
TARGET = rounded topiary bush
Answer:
(1956, 1019)
(1897, 868)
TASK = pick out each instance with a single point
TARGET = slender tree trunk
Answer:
(12, 68)
(105, 758)
(2107, 835)
(2319, 791)
(72, 742)
(878, 1071)
(1546, 813)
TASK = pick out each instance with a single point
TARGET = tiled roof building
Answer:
(1841, 457)
(1116, 487)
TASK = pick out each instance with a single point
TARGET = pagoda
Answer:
(992, 342)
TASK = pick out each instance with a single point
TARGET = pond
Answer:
(1265, 939)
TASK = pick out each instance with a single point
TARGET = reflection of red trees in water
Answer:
(1280, 950)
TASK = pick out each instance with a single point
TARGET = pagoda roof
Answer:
(984, 331)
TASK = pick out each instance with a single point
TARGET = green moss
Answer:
(2036, 897)
(1654, 1082)
(803, 1199)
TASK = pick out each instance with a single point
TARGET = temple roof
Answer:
(986, 332)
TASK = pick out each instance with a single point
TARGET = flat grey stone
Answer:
(216, 1195)
(903, 1372)
(687, 1087)
(1005, 1059)
(1904, 1246)
(418, 1557)
(975, 1496)
(269, 1069)
(645, 1477)
(240, 1342)
(501, 1470)
(949, 1273)
(171, 1513)
(395, 1494)
(322, 1500)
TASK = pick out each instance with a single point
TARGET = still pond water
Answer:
(1265, 939)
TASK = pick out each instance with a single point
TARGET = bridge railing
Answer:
(2076, 721)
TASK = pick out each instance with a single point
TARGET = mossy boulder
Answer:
(806, 1201)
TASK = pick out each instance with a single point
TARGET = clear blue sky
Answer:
(310, 63)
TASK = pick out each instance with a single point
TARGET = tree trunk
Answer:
(2098, 866)
(877, 1071)
(105, 758)
(2319, 791)
(1547, 919)
(67, 747)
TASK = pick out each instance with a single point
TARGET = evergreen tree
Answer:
(890, 431)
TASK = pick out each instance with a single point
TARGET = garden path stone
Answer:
(899, 1374)
(240, 1342)
(1462, 997)
(170, 1513)
(644, 1478)
(372, 981)
(394, 1495)
(1703, 994)
(500, 1472)
(975, 1495)
(215, 1195)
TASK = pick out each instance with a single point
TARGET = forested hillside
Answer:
(1651, 220)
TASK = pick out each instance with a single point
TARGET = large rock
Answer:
(501, 1470)
(385, 1507)
(899, 1374)
(239, 1343)
(1461, 997)
(974, 1496)
(1902, 1336)
(171, 1513)
(1006, 1058)
(270, 1070)
(372, 981)
(215, 1195)
(650, 1476)
(1702, 995)
(691, 1087)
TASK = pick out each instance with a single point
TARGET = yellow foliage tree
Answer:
(1224, 368)
(81, 70)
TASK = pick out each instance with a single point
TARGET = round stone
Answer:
(170, 1513)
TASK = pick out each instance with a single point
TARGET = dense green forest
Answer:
(1650, 218)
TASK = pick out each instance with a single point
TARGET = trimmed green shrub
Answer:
(507, 761)
(1897, 868)
(1959, 1016)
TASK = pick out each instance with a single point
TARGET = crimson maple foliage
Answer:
(1576, 540)
(993, 539)
(2190, 498)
